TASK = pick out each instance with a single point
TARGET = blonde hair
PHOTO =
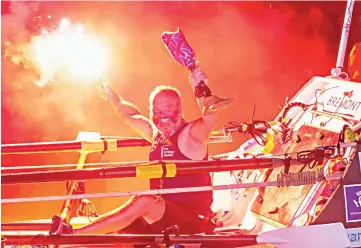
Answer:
(160, 89)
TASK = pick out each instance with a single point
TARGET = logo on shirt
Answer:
(166, 152)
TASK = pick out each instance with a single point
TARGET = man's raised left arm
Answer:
(201, 128)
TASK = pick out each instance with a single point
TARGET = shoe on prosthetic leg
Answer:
(58, 226)
(211, 103)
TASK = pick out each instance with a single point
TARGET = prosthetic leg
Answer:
(183, 54)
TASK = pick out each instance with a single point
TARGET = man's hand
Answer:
(194, 79)
(197, 76)
(105, 91)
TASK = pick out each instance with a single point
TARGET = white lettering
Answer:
(166, 152)
(358, 203)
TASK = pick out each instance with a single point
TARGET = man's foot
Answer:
(58, 226)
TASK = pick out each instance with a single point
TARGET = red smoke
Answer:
(257, 53)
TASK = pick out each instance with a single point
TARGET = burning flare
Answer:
(67, 51)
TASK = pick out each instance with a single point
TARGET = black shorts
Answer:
(187, 223)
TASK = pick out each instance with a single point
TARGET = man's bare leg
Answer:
(151, 208)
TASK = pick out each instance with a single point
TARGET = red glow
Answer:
(255, 52)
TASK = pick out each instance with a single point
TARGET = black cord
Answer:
(312, 158)
(257, 129)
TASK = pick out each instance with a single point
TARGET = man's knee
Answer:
(153, 207)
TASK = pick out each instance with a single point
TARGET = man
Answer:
(172, 138)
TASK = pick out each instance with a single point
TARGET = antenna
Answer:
(336, 72)
(253, 113)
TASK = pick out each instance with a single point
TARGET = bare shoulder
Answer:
(189, 146)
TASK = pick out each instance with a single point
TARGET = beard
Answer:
(174, 118)
(170, 125)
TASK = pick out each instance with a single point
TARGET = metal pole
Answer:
(220, 240)
(147, 170)
(88, 146)
(336, 72)
(73, 187)
(72, 146)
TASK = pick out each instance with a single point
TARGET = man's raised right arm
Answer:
(128, 112)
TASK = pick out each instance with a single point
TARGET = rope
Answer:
(283, 180)
(296, 179)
